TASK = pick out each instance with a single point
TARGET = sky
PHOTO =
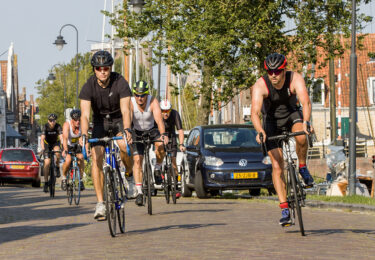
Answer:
(33, 26)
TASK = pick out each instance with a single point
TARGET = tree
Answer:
(51, 96)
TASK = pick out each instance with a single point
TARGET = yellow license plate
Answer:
(17, 166)
(244, 175)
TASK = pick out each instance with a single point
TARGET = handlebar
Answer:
(105, 139)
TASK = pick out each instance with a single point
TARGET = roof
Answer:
(13, 133)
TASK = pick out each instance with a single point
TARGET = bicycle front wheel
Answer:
(120, 204)
(148, 183)
(52, 181)
(173, 183)
(110, 200)
(77, 186)
(69, 187)
(295, 198)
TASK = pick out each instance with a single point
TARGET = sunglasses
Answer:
(52, 120)
(166, 111)
(140, 95)
(276, 72)
(102, 68)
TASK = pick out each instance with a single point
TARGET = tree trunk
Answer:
(204, 109)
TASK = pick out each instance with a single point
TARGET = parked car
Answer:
(19, 164)
(224, 157)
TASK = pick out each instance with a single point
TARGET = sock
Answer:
(157, 166)
(138, 186)
(301, 165)
(283, 205)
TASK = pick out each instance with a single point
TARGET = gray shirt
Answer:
(142, 121)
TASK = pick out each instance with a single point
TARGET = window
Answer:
(371, 90)
(17, 155)
(230, 138)
(190, 140)
(317, 91)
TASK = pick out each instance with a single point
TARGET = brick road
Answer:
(33, 226)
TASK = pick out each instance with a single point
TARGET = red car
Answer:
(19, 164)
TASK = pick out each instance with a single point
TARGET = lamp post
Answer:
(51, 78)
(60, 42)
(137, 8)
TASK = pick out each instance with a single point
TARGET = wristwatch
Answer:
(307, 122)
(182, 145)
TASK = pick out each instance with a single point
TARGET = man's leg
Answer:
(66, 166)
(97, 153)
(57, 156)
(137, 173)
(125, 158)
(159, 153)
(81, 165)
(174, 164)
(46, 165)
(301, 150)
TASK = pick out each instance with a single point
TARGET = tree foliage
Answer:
(228, 40)
(51, 96)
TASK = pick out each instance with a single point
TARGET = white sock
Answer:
(157, 166)
(138, 186)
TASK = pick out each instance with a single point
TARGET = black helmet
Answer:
(102, 59)
(140, 87)
(52, 116)
(75, 114)
(275, 61)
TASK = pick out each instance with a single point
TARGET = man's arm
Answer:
(85, 116)
(126, 116)
(155, 107)
(65, 136)
(299, 87)
(259, 92)
(42, 138)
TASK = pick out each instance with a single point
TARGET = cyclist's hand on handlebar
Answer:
(165, 139)
(182, 148)
(128, 135)
(259, 135)
(308, 128)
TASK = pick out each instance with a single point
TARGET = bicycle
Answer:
(169, 181)
(295, 193)
(114, 188)
(147, 182)
(52, 173)
(73, 181)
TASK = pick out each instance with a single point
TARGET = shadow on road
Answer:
(191, 210)
(24, 232)
(187, 226)
(326, 232)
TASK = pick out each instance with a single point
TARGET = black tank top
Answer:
(280, 102)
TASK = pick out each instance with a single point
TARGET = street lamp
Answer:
(137, 8)
(60, 42)
(51, 78)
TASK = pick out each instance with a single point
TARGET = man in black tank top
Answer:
(275, 97)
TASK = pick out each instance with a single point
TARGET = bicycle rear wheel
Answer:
(173, 183)
(167, 182)
(295, 198)
(110, 200)
(121, 198)
(77, 186)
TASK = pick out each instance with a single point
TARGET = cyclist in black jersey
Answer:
(172, 122)
(51, 139)
(108, 95)
(275, 97)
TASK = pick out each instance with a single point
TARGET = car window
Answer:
(230, 138)
(196, 139)
(190, 139)
(17, 155)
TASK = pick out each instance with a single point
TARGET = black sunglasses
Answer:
(141, 95)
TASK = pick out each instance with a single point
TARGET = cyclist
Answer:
(275, 97)
(108, 95)
(172, 121)
(71, 136)
(50, 140)
(146, 117)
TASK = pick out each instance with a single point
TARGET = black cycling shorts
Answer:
(75, 148)
(172, 146)
(139, 148)
(274, 127)
(106, 128)
(50, 147)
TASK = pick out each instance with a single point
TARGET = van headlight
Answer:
(213, 161)
(267, 160)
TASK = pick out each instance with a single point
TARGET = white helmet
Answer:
(165, 104)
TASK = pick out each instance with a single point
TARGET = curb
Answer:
(325, 205)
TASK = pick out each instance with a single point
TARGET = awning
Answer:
(11, 133)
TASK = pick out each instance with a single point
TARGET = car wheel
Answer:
(271, 191)
(254, 192)
(36, 183)
(185, 190)
(198, 185)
